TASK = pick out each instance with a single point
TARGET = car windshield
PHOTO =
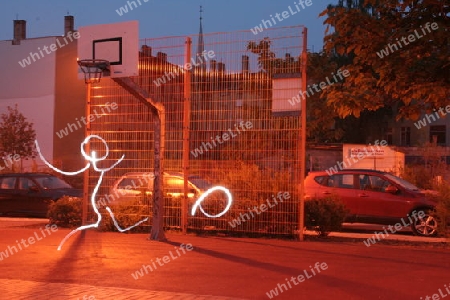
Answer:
(402, 182)
(135, 183)
(52, 183)
(200, 182)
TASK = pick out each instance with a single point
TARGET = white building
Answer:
(40, 76)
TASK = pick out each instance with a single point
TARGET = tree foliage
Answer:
(267, 60)
(411, 79)
(16, 134)
(321, 116)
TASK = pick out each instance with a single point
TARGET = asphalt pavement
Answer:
(104, 265)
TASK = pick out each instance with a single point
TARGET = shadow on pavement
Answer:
(324, 280)
(370, 254)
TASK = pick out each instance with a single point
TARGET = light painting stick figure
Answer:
(94, 161)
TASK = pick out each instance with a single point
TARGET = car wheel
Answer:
(426, 225)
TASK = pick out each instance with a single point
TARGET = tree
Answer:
(268, 62)
(16, 134)
(321, 117)
(411, 77)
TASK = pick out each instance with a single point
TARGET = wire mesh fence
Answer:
(228, 123)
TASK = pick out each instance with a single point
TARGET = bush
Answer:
(443, 209)
(126, 214)
(251, 185)
(418, 175)
(424, 172)
(325, 215)
(65, 212)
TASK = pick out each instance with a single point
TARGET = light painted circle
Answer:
(206, 194)
(93, 158)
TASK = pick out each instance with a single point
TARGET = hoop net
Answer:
(93, 69)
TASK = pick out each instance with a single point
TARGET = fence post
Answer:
(186, 124)
(87, 132)
(301, 209)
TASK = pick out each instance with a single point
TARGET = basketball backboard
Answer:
(117, 43)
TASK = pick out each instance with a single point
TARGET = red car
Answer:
(376, 197)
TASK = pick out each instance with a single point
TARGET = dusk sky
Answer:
(158, 18)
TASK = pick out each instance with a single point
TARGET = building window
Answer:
(405, 137)
(438, 132)
(388, 135)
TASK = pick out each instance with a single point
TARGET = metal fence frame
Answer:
(212, 99)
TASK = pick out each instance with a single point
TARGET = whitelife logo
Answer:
(432, 117)
(195, 62)
(53, 47)
(360, 155)
(262, 208)
(124, 9)
(319, 87)
(225, 137)
(31, 240)
(391, 48)
(439, 296)
(120, 191)
(90, 118)
(297, 280)
(9, 161)
(280, 17)
(380, 235)
(161, 261)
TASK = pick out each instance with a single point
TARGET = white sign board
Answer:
(370, 152)
(374, 157)
(286, 96)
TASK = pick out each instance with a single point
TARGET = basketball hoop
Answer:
(93, 69)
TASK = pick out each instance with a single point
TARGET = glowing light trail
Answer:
(206, 194)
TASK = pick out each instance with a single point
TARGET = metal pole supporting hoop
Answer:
(93, 69)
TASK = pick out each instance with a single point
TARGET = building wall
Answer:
(47, 92)
(418, 136)
(31, 87)
(70, 106)
(322, 159)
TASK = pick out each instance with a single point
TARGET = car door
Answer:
(8, 195)
(377, 205)
(33, 201)
(343, 186)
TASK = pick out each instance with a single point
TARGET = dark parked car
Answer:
(376, 197)
(29, 194)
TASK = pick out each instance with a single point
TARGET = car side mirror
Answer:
(391, 189)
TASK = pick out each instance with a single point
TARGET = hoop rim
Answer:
(100, 64)
(94, 69)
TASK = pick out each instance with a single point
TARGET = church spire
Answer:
(199, 59)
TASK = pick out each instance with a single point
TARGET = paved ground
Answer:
(22, 289)
(101, 266)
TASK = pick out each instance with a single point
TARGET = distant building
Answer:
(414, 133)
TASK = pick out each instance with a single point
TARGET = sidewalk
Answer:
(350, 230)
(361, 231)
(101, 265)
(25, 290)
